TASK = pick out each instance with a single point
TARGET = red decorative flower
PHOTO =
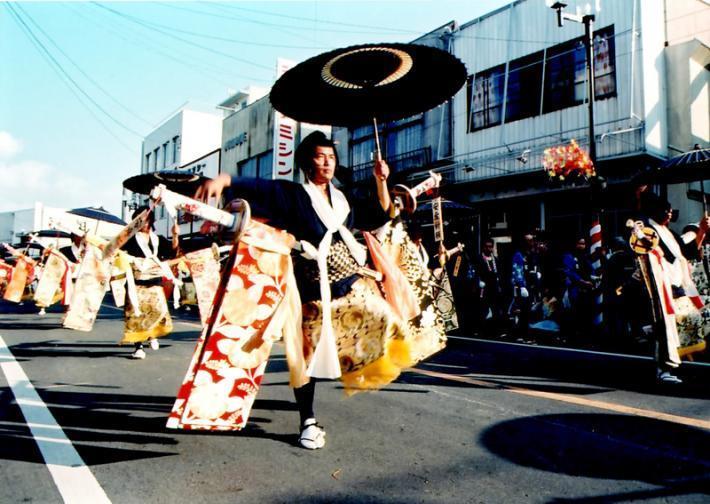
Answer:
(564, 161)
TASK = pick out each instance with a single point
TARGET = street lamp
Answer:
(588, 21)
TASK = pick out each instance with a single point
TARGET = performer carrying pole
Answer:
(349, 330)
(152, 319)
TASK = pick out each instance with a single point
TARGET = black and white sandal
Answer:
(312, 435)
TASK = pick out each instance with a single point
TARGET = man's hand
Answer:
(213, 188)
(381, 170)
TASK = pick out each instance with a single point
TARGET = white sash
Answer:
(150, 251)
(325, 363)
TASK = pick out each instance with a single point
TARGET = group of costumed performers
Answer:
(59, 270)
(678, 316)
(147, 316)
(46, 280)
(18, 275)
(302, 275)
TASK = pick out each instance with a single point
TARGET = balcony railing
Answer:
(404, 163)
(614, 139)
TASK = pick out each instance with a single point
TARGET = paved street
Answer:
(481, 422)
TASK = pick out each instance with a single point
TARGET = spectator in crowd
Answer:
(525, 279)
(490, 288)
(578, 285)
(621, 291)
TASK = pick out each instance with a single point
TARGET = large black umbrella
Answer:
(691, 166)
(100, 214)
(178, 181)
(354, 85)
(52, 233)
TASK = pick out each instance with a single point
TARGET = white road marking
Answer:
(75, 481)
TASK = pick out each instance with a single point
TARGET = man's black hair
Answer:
(305, 150)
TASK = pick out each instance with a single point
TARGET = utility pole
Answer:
(588, 21)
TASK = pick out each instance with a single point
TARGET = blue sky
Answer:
(134, 63)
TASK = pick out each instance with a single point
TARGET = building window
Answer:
(165, 155)
(485, 98)
(524, 87)
(265, 165)
(155, 158)
(147, 162)
(566, 74)
(604, 64)
(261, 166)
(362, 151)
(176, 139)
(247, 168)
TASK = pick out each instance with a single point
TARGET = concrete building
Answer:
(527, 91)
(688, 88)
(16, 225)
(187, 135)
(188, 140)
(410, 144)
(248, 135)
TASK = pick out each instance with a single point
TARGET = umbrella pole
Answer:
(378, 151)
(705, 199)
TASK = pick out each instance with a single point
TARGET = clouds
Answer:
(9, 145)
(25, 181)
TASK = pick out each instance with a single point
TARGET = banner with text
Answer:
(284, 134)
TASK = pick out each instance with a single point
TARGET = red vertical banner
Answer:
(595, 243)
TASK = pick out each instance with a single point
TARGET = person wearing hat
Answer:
(75, 251)
(342, 307)
(152, 319)
(678, 303)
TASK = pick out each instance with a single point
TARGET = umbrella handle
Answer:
(378, 151)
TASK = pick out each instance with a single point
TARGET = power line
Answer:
(69, 77)
(63, 77)
(223, 17)
(266, 23)
(137, 41)
(106, 93)
(227, 39)
(168, 34)
(328, 21)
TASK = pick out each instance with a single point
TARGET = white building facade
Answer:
(18, 224)
(184, 137)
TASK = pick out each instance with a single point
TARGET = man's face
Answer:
(323, 165)
(529, 241)
(488, 248)
(581, 245)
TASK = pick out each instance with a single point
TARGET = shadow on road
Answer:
(96, 422)
(607, 446)
(552, 371)
(54, 348)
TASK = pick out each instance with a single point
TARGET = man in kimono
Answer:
(341, 306)
(677, 303)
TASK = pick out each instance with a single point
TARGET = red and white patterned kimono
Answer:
(256, 305)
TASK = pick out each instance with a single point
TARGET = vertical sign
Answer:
(438, 221)
(284, 134)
